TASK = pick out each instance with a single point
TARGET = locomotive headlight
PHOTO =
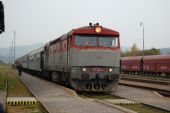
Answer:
(110, 70)
(84, 69)
(98, 29)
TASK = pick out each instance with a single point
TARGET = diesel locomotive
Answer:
(86, 58)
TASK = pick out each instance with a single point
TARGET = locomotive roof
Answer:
(131, 58)
(149, 57)
(21, 57)
(84, 29)
(62, 37)
(36, 51)
(77, 30)
(157, 57)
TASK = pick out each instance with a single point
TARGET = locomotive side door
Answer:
(69, 42)
(42, 60)
(64, 55)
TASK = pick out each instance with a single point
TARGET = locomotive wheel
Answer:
(55, 77)
(46, 75)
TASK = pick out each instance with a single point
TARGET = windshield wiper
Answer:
(89, 42)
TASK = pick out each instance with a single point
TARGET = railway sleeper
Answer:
(21, 101)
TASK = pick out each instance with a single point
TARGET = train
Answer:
(85, 58)
(150, 65)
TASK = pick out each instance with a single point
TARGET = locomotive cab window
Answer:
(115, 42)
(93, 40)
(108, 41)
(81, 40)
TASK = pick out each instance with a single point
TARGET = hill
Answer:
(1, 62)
(5, 59)
(6, 53)
(165, 51)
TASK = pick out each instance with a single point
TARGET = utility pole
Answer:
(14, 44)
(10, 54)
(142, 24)
(12, 58)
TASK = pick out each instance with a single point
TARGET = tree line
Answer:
(135, 51)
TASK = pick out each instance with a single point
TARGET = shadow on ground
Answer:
(1, 108)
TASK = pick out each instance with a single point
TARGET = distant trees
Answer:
(1, 62)
(135, 51)
(152, 51)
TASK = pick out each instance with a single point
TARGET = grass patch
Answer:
(15, 86)
(2, 78)
(17, 89)
(37, 108)
(141, 108)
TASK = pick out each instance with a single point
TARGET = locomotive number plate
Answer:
(97, 70)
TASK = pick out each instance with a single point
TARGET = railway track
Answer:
(122, 103)
(156, 80)
(143, 96)
(162, 87)
(109, 100)
(147, 99)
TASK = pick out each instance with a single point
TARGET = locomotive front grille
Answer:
(98, 76)
(95, 86)
(85, 76)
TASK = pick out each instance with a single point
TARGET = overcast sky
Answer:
(38, 21)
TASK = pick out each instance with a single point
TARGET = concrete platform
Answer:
(143, 96)
(57, 100)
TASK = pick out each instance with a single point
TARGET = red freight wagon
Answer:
(131, 64)
(157, 64)
(124, 64)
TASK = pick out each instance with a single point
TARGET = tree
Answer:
(134, 50)
(1, 62)
(152, 51)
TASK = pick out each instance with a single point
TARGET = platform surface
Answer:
(57, 100)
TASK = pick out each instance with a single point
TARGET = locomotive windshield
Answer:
(103, 41)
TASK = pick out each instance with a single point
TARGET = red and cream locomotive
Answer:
(86, 58)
